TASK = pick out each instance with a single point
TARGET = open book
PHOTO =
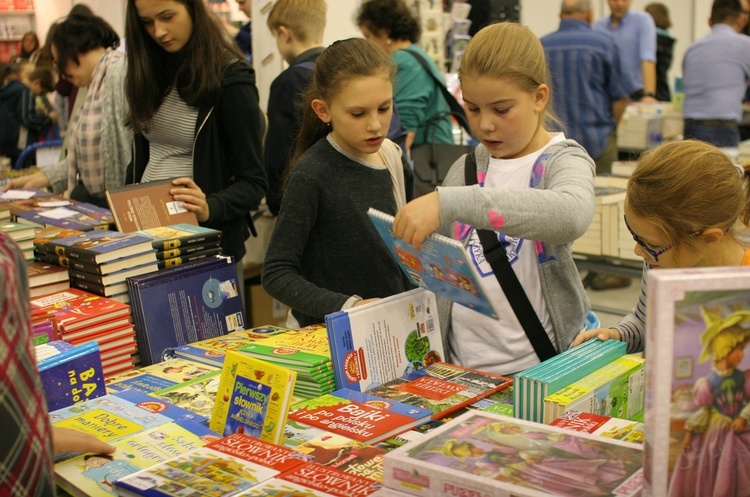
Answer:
(442, 266)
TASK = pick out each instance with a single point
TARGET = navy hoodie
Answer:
(17, 107)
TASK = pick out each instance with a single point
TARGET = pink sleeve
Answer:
(702, 393)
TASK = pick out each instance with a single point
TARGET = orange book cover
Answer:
(147, 205)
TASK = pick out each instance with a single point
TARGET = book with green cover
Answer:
(303, 348)
(197, 395)
(253, 398)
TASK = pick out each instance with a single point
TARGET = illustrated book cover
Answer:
(442, 266)
(75, 309)
(225, 467)
(180, 235)
(117, 415)
(442, 388)
(71, 376)
(203, 301)
(253, 398)
(95, 474)
(604, 426)
(359, 415)
(212, 350)
(147, 205)
(100, 246)
(484, 454)
(197, 395)
(375, 343)
(158, 376)
(315, 480)
(698, 372)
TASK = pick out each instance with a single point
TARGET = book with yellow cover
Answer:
(253, 398)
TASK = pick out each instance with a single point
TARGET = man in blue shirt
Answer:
(589, 91)
(635, 35)
(716, 71)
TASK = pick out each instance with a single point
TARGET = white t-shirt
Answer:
(501, 346)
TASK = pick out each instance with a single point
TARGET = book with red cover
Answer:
(75, 309)
(442, 388)
(316, 479)
(147, 205)
(359, 415)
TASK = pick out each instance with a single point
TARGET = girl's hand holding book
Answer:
(418, 219)
(192, 197)
(600, 333)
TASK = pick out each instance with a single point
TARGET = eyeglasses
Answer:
(654, 254)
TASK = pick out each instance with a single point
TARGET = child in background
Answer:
(298, 27)
(42, 83)
(683, 202)
(325, 254)
(535, 190)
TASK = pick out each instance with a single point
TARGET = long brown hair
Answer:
(340, 63)
(687, 186)
(197, 68)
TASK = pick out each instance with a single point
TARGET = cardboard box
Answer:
(263, 309)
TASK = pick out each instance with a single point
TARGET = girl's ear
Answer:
(712, 235)
(541, 97)
(321, 110)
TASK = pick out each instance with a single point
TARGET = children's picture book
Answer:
(71, 375)
(375, 343)
(75, 309)
(185, 304)
(147, 205)
(117, 415)
(180, 236)
(225, 467)
(442, 388)
(212, 350)
(198, 395)
(101, 246)
(359, 415)
(698, 400)
(253, 398)
(158, 376)
(616, 389)
(604, 426)
(442, 266)
(485, 454)
(316, 480)
(94, 474)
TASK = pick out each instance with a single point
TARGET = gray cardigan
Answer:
(555, 211)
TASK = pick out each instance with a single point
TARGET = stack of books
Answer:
(100, 261)
(616, 389)
(61, 212)
(22, 234)
(70, 374)
(533, 385)
(305, 351)
(46, 278)
(83, 317)
(185, 304)
(212, 351)
(179, 243)
(11, 198)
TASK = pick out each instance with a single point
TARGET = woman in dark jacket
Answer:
(664, 49)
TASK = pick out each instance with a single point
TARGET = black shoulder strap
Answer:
(455, 107)
(494, 252)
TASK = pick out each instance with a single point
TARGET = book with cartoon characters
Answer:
(253, 398)
(197, 395)
(697, 417)
(95, 474)
(479, 453)
(377, 342)
(442, 266)
(158, 376)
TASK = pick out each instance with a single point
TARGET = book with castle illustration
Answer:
(698, 402)
(442, 266)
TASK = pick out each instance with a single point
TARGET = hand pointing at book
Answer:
(418, 219)
(192, 197)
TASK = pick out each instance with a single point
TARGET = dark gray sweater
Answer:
(324, 249)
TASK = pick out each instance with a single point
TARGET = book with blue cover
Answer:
(185, 304)
(442, 266)
(96, 247)
(180, 236)
(71, 374)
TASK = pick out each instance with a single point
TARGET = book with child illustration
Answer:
(147, 205)
(442, 266)
(483, 454)
(377, 342)
(698, 372)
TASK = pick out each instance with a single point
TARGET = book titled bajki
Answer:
(442, 266)
(147, 205)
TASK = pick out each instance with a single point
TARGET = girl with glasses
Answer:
(685, 203)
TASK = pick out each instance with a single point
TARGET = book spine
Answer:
(89, 287)
(83, 276)
(168, 253)
(177, 261)
(339, 328)
(73, 253)
(187, 241)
